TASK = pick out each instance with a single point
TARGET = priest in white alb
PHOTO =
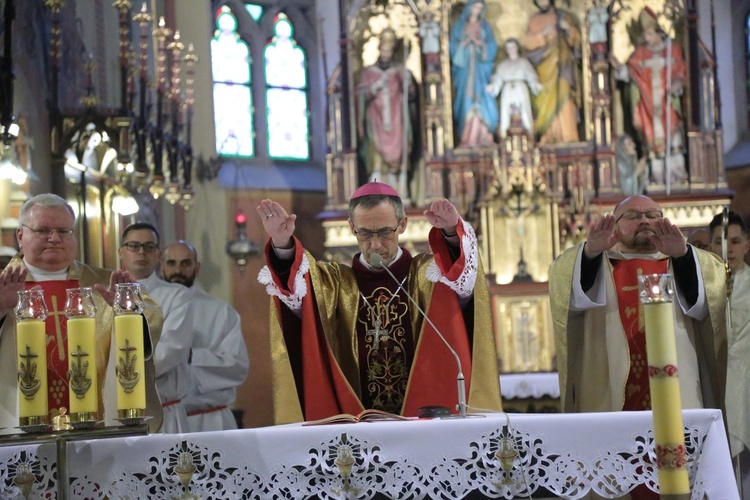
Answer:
(139, 255)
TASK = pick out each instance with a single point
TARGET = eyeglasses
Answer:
(383, 234)
(46, 233)
(634, 215)
(135, 246)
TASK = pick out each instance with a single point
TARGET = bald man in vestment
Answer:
(599, 328)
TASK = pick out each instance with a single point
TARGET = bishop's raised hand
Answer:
(443, 215)
(277, 222)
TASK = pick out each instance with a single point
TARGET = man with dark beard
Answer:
(599, 327)
(218, 355)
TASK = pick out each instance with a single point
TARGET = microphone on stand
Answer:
(376, 260)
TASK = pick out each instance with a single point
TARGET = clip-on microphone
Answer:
(376, 260)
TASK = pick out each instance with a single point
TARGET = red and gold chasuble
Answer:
(384, 336)
(625, 274)
(57, 340)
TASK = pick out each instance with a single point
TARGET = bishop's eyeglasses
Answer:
(382, 234)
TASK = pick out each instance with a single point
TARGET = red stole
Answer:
(56, 326)
(433, 379)
(326, 389)
(625, 274)
(327, 392)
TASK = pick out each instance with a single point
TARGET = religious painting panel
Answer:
(519, 241)
(651, 84)
(385, 67)
(521, 63)
(523, 329)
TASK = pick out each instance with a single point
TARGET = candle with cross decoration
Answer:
(82, 374)
(130, 365)
(31, 344)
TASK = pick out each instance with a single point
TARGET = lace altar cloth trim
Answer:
(394, 459)
(28, 472)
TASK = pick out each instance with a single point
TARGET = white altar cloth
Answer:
(568, 455)
(529, 385)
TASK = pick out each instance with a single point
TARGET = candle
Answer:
(82, 370)
(669, 437)
(31, 347)
(83, 385)
(131, 386)
(129, 352)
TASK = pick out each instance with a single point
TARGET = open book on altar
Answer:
(371, 415)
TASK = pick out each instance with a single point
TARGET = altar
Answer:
(496, 455)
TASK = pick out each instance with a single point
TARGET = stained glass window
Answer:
(286, 94)
(233, 103)
(255, 11)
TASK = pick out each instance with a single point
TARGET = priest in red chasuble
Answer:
(599, 325)
(48, 241)
(344, 339)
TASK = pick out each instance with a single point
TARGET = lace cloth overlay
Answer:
(294, 300)
(555, 455)
(464, 284)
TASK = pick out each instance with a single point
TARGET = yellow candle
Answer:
(665, 399)
(131, 386)
(84, 397)
(31, 347)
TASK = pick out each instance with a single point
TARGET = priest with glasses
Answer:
(345, 339)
